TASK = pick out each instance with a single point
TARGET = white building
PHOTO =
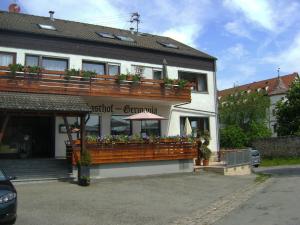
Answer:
(59, 45)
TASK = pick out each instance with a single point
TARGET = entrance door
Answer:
(30, 137)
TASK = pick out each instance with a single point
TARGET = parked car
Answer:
(8, 200)
(255, 157)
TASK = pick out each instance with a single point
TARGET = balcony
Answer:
(137, 152)
(55, 82)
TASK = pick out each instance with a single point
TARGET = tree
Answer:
(246, 111)
(288, 112)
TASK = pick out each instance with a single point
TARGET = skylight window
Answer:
(47, 27)
(168, 45)
(125, 38)
(106, 35)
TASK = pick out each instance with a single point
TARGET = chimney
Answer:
(51, 15)
(14, 8)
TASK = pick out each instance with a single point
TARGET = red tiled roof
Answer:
(270, 83)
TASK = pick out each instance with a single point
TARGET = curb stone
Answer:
(223, 206)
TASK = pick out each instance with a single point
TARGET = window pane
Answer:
(198, 124)
(202, 82)
(113, 69)
(151, 127)
(54, 64)
(31, 60)
(120, 126)
(6, 59)
(99, 68)
(157, 74)
(93, 126)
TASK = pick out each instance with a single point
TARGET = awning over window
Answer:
(28, 102)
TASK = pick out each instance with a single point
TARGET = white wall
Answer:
(272, 118)
(204, 103)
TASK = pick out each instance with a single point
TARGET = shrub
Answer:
(233, 137)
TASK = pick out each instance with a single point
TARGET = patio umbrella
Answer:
(144, 116)
(165, 70)
(187, 127)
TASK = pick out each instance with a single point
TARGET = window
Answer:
(99, 68)
(157, 74)
(93, 126)
(106, 35)
(168, 45)
(150, 127)
(32, 60)
(48, 63)
(197, 80)
(147, 72)
(200, 124)
(47, 27)
(113, 69)
(54, 64)
(125, 38)
(7, 58)
(120, 126)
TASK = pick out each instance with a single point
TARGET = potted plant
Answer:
(168, 83)
(14, 68)
(181, 84)
(121, 78)
(87, 75)
(72, 72)
(84, 169)
(136, 79)
(205, 151)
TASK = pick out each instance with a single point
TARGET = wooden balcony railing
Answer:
(53, 82)
(136, 152)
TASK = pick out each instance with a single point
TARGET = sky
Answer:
(250, 38)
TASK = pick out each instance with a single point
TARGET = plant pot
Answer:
(198, 162)
(206, 162)
(84, 182)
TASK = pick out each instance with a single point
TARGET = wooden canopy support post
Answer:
(3, 128)
(82, 134)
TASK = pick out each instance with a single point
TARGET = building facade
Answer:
(276, 89)
(58, 45)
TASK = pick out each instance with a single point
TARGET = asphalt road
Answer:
(156, 200)
(277, 204)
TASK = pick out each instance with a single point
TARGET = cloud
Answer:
(287, 59)
(237, 51)
(237, 28)
(271, 15)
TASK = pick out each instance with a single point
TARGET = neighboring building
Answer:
(39, 106)
(276, 88)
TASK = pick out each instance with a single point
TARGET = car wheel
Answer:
(256, 166)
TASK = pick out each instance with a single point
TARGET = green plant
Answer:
(205, 152)
(14, 68)
(71, 72)
(168, 81)
(182, 84)
(122, 138)
(91, 139)
(136, 78)
(233, 137)
(121, 77)
(85, 159)
(86, 75)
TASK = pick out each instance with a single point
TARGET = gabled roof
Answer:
(25, 23)
(269, 85)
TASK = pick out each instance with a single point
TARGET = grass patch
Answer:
(280, 161)
(261, 177)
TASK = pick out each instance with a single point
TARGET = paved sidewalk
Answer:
(157, 200)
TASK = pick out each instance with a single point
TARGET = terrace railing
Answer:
(135, 152)
(54, 82)
(235, 157)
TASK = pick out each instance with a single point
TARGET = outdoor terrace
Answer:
(56, 82)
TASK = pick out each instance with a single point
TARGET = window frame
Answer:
(13, 54)
(152, 68)
(99, 123)
(105, 63)
(130, 124)
(40, 60)
(196, 73)
(198, 118)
